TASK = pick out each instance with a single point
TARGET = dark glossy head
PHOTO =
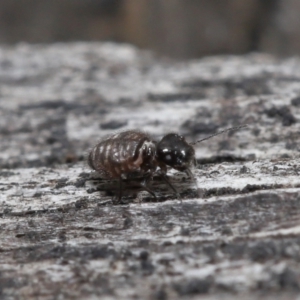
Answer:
(174, 151)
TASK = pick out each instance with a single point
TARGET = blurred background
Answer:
(177, 28)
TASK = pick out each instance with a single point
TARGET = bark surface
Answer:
(62, 237)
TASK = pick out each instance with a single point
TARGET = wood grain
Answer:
(61, 235)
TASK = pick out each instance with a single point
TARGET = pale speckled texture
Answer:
(61, 237)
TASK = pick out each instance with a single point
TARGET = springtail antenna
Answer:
(223, 131)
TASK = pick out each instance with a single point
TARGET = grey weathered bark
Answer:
(61, 237)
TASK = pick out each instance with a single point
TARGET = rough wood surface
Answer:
(62, 237)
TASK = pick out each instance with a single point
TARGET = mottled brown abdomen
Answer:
(122, 154)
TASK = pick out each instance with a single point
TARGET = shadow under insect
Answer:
(138, 189)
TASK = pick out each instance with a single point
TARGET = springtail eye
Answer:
(168, 157)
